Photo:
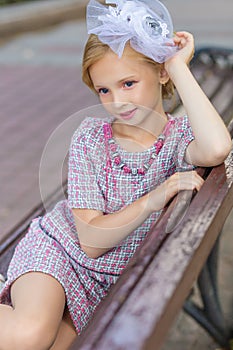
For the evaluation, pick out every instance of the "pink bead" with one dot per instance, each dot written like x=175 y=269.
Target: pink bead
x=113 y=148
x=141 y=172
x=159 y=145
x=126 y=170
x=117 y=160
x=107 y=131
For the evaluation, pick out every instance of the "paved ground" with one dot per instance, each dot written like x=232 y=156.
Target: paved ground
x=40 y=88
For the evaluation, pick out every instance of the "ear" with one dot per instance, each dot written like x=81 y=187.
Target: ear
x=163 y=76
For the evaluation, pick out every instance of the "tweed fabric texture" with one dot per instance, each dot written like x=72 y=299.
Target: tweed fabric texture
x=52 y=246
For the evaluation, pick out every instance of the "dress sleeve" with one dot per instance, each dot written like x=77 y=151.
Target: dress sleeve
x=186 y=136
x=83 y=189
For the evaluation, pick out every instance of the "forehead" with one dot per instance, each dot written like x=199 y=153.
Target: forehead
x=113 y=68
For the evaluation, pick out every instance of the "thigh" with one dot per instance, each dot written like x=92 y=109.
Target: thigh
x=66 y=334
x=38 y=299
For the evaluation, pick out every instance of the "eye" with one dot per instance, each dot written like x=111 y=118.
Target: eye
x=103 y=91
x=129 y=84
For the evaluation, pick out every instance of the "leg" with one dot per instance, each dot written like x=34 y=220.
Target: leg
x=33 y=322
x=66 y=334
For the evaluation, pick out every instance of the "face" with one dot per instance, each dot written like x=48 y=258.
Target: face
x=128 y=88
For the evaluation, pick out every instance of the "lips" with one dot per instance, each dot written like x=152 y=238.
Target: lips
x=129 y=114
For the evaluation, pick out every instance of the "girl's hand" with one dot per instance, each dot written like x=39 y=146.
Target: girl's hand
x=185 y=43
x=188 y=180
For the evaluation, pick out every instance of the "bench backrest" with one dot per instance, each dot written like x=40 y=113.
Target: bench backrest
x=140 y=308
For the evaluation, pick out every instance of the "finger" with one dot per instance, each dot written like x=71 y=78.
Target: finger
x=199 y=183
x=197 y=180
x=187 y=35
x=188 y=180
x=184 y=35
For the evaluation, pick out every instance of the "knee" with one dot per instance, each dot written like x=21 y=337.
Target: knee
x=35 y=336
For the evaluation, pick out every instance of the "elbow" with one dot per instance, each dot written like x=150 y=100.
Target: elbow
x=91 y=242
x=92 y=252
x=219 y=154
x=228 y=148
x=224 y=151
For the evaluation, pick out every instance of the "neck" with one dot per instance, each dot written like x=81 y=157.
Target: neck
x=144 y=134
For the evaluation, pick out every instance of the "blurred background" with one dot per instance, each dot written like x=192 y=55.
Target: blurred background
x=41 y=93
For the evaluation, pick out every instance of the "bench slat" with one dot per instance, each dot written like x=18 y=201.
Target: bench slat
x=135 y=317
x=7 y=246
x=138 y=321
x=221 y=101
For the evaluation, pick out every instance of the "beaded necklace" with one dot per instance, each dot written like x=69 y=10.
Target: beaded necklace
x=116 y=156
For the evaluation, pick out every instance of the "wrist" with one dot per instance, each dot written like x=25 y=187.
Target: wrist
x=147 y=204
x=174 y=64
x=156 y=199
x=178 y=71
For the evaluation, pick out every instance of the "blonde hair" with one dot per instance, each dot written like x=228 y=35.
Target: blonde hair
x=95 y=50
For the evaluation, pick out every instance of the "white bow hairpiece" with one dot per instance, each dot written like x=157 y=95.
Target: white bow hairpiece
x=146 y=24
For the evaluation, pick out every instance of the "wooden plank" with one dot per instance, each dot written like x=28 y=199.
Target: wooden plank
x=224 y=98
x=199 y=71
x=126 y=320
x=212 y=83
x=137 y=314
x=7 y=245
x=185 y=249
x=202 y=246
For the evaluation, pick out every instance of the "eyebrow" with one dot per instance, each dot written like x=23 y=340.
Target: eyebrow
x=120 y=81
x=126 y=78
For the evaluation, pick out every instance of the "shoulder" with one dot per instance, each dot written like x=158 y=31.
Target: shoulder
x=181 y=126
x=90 y=131
x=181 y=123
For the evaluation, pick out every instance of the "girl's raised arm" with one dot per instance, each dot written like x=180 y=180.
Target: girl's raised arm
x=212 y=141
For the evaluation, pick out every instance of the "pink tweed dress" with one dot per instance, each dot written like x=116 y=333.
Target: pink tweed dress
x=52 y=246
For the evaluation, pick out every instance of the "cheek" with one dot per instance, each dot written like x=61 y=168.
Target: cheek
x=104 y=99
x=107 y=105
x=153 y=91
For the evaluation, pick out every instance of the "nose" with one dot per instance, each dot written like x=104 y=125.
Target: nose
x=118 y=99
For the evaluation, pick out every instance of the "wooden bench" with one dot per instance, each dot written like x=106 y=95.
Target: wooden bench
x=180 y=249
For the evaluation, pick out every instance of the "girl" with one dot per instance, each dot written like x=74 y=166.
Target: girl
x=123 y=170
